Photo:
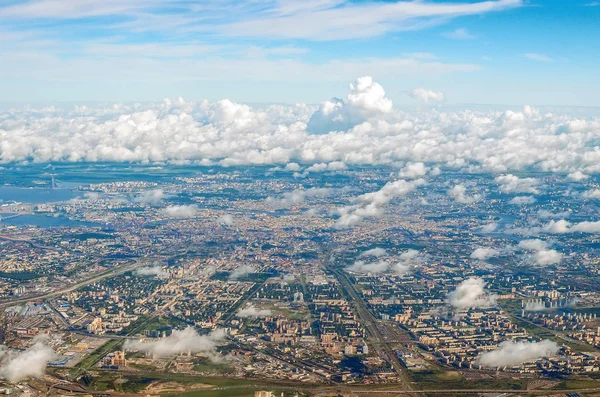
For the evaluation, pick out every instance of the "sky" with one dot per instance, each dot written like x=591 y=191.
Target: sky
x=504 y=52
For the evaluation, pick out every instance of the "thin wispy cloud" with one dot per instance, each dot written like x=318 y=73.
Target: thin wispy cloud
x=311 y=20
x=459 y=34
x=534 y=56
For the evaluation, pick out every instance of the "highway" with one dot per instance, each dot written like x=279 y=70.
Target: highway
x=73 y=287
x=378 y=342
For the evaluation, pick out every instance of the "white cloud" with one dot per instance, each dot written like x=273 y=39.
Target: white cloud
x=405 y=263
x=370 y=204
x=373 y=267
x=17 y=366
x=512 y=353
x=408 y=261
x=333 y=166
x=483 y=254
x=458 y=193
x=181 y=211
x=376 y=252
x=489 y=228
x=298 y=196
x=522 y=200
x=151 y=196
x=562 y=226
x=577 y=176
x=366 y=100
x=152 y=271
x=413 y=170
x=535 y=306
x=542 y=255
x=513 y=184
x=227 y=133
x=180 y=341
x=459 y=34
x=544 y=214
x=534 y=56
x=592 y=194
x=334 y=20
x=471 y=294
x=241 y=272
x=295 y=167
x=252 y=311
x=226 y=220
x=426 y=96
x=547 y=257
x=586 y=227
x=533 y=245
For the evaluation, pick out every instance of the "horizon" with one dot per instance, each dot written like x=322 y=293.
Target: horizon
x=521 y=52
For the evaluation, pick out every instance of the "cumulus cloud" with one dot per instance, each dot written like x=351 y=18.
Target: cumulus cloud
x=533 y=244
x=522 y=200
x=17 y=366
x=547 y=257
x=370 y=132
x=252 y=311
x=542 y=255
x=408 y=261
x=471 y=294
x=151 y=196
x=372 y=267
x=370 y=204
x=459 y=194
x=413 y=170
x=483 y=254
x=181 y=211
x=180 y=341
x=562 y=226
x=512 y=353
x=294 y=167
x=225 y=220
x=513 y=184
x=426 y=96
x=241 y=272
x=403 y=264
x=592 y=194
x=366 y=100
x=332 y=166
x=152 y=271
x=577 y=176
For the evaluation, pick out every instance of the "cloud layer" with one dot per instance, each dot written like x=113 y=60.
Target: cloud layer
x=362 y=129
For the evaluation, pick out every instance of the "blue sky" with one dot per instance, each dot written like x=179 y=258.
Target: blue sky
x=511 y=52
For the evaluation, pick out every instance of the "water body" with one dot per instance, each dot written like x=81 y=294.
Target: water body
x=10 y=194
x=44 y=221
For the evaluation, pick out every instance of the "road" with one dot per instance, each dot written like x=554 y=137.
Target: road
x=73 y=287
x=378 y=341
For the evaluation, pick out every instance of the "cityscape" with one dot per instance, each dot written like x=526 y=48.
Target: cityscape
x=299 y=198
x=145 y=279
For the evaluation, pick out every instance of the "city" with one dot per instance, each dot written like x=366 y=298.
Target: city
x=211 y=272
